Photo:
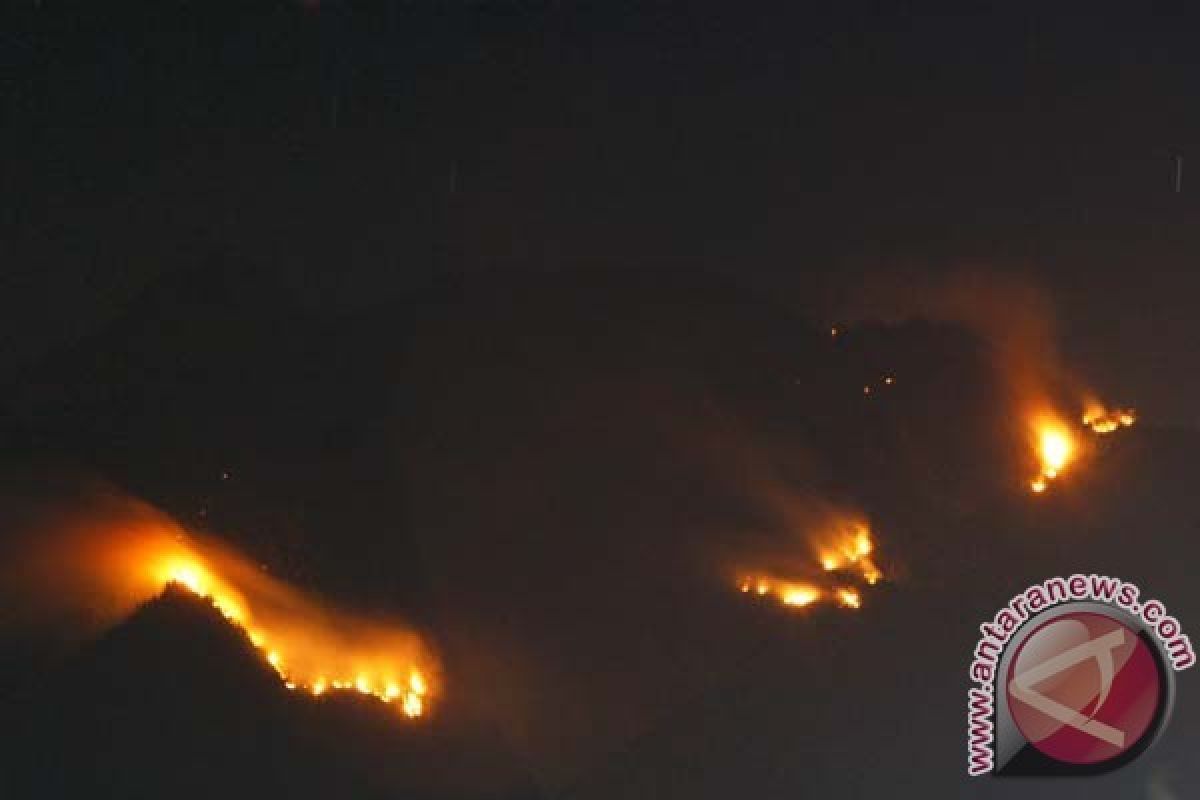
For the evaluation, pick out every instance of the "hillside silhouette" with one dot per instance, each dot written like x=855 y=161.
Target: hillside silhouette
x=175 y=702
x=549 y=472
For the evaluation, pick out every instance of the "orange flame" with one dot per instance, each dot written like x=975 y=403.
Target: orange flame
x=849 y=598
x=789 y=593
x=845 y=547
x=848 y=545
x=1104 y=420
x=1054 y=447
x=301 y=642
x=105 y=560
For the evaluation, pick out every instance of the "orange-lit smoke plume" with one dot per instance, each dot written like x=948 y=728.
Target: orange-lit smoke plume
x=1016 y=320
x=838 y=565
x=86 y=567
x=804 y=550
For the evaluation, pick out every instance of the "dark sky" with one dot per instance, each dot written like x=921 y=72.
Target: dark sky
x=804 y=145
x=483 y=285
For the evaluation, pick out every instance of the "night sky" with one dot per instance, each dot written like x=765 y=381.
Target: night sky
x=497 y=317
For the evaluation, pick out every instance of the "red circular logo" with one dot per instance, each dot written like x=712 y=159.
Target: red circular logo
x=1084 y=688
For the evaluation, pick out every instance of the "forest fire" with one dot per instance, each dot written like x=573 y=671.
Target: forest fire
x=849 y=598
x=847 y=549
x=801 y=594
x=117 y=553
x=1056 y=447
x=796 y=595
x=1103 y=420
x=304 y=652
x=1014 y=318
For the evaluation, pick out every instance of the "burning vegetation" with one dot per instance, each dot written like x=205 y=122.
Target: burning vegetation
x=1056 y=446
x=309 y=648
x=1015 y=319
x=1103 y=420
x=104 y=560
x=843 y=553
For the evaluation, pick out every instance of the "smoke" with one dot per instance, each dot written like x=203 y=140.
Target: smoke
x=592 y=585
x=1011 y=315
x=81 y=564
x=75 y=562
x=1015 y=319
x=798 y=544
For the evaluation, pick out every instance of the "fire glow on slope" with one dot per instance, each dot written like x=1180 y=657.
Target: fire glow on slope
x=1104 y=420
x=844 y=555
x=1014 y=317
x=85 y=564
x=308 y=653
x=1056 y=446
